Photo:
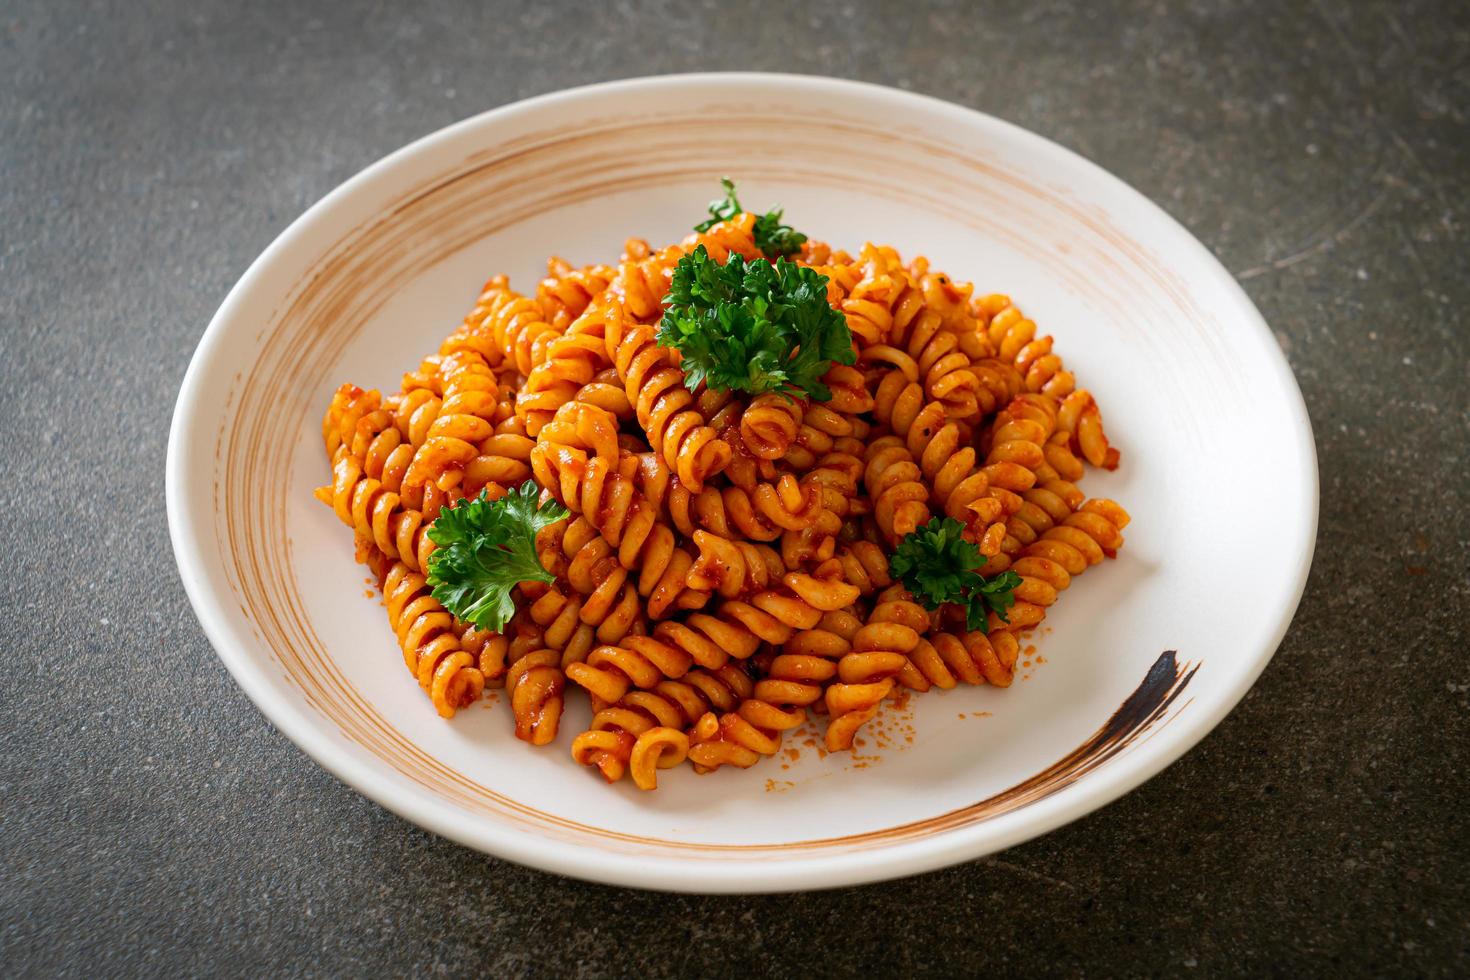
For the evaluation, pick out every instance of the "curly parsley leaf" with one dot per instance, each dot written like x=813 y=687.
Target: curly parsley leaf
x=938 y=565
x=997 y=595
x=821 y=333
x=721 y=208
x=753 y=326
x=485 y=549
x=772 y=237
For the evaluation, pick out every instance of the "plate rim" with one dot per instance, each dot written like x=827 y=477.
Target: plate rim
x=666 y=872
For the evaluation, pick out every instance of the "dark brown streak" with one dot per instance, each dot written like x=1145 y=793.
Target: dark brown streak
x=1149 y=702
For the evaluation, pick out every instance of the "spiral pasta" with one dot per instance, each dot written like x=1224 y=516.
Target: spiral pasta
x=1015 y=341
x=536 y=681
x=608 y=742
x=566 y=291
x=505 y=327
x=571 y=363
x=655 y=386
x=724 y=572
x=428 y=637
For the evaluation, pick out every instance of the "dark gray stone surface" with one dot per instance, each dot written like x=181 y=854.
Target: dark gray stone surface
x=152 y=821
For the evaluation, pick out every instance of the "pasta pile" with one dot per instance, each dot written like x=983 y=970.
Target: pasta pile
x=723 y=568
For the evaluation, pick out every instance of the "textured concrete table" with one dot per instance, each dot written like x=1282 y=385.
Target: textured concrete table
x=151 y=819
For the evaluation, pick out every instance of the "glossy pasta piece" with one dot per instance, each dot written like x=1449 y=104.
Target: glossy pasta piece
x=806 y=663
x=734 y=739
x=896 y=486
x=732 y=567
x=931 y=356
x=947 y=659
x=738 y=627
x=655 y=749
x=600 y=568
x=1047 y=565
x=566 y=292
x=849 y=707
x=759 y=510
x=572 y=361
x=735 y=235
x=609 y=502
x=664 y=405
x=592 y=592
x=638 y=661
x=348 y=406
x=762 y=513
x=506 y=328
x=584 y=427
x=814 y=433
x=382 y=484
x=837 y=477
x=556 y=611
x=535 y=682
x=428 y=636
x=961 y=484
x=952 y=301
x=642 y=280
x=964 y=487
x=1084 y=538
x=922 y=329
x=463 y=452
x=376 y=513
x=867 y=672
x=865 y=565
x=607 y=744
x=1013 y=335
x=774 y=615
x=1080 y=417
x=489 y=649
x=1015 y=340
x=770 y=424
x=850 y=395
x=841 y=272
x=1022 y=448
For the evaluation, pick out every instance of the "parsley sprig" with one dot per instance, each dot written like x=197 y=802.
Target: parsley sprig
x=486 y=548
x=772 y=237
x=754 y=326
x=938 y=565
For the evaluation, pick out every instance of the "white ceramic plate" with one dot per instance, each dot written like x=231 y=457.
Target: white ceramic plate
x=1139 y=660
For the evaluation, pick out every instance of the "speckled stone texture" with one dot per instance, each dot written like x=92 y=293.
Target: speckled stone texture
x=152 y=821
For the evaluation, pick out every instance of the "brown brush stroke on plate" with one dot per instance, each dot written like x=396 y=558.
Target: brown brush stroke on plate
x=1148 y=703
x=512 y=183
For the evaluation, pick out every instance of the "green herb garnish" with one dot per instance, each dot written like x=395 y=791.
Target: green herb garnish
x=773 y=238
x=938 y=565
x=754 y=326
x=486 y=548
